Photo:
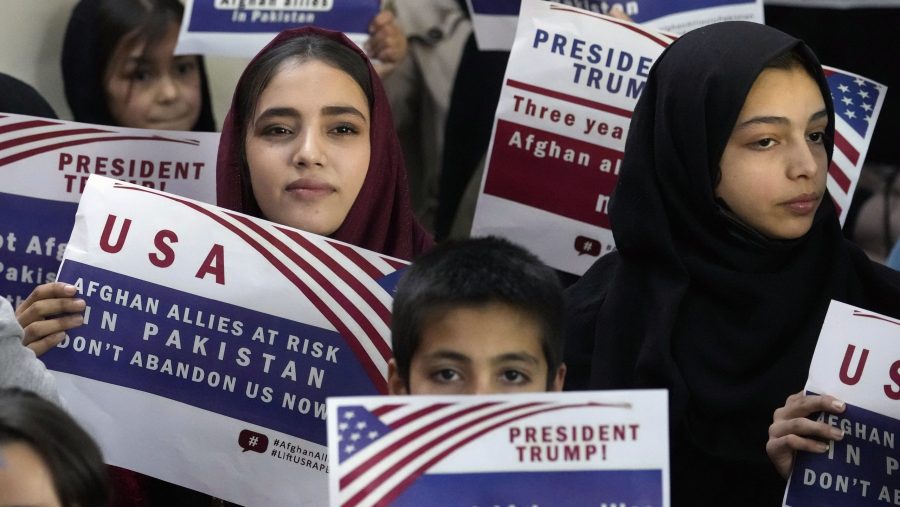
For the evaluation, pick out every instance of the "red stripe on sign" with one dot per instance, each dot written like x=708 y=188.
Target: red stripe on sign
x=529 y=166
x=422 y=412
x=30 y=124
x=846 y=148
x=352 y=310
x=357 y=258
x=443 y=424
x=364 y=292
x=47 y=135
x=44 y=149
x=839 y=177
x=385 y=409
x=395 y=263
x=405 y=483
x=599 y=106
x=631 y=26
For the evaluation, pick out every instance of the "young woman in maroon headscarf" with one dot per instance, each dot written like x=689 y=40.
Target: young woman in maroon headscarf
x=309 y=142
x=729 y=252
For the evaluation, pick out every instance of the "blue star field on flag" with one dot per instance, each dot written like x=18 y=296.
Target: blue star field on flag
x=357 y=428
x=854 y=100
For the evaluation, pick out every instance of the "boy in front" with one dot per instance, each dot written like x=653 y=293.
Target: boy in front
x=475 y=317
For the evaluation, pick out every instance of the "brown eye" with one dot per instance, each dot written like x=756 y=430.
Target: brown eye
x=445 y=375
x=514 y=377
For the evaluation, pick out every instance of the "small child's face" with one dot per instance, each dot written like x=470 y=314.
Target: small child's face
x=152 y=88
x=492 y=348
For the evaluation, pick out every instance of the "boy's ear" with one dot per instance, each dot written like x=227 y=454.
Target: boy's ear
x=395 y=383
x=559 y=379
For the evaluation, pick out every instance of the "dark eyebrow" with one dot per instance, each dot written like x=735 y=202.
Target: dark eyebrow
x=341 y=110
x=451 y=355
x=517 y=356
x=503 y=358
x=293 y=113
x=278 y=112
x=818 y=116
x=777 y=120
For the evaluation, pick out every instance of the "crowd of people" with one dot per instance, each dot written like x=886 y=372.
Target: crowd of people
x=728 y=247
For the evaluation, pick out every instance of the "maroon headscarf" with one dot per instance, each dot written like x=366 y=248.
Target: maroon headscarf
x=381 y=218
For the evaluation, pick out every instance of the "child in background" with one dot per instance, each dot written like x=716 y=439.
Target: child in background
x=119 y=67
x=46 y=459
x=474 y=317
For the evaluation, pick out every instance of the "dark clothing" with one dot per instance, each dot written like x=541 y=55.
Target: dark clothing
x=694 y=300
x=860 y=41
x=470 y=119
x=19 y=97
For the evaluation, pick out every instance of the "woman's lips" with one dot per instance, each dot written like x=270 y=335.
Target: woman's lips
x=311 y=188
x=803 y=204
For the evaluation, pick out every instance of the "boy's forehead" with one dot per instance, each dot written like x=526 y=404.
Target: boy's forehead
x=493 y=331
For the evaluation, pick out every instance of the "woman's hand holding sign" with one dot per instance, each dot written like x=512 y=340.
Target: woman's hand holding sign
x=48 y=312
x=793 y=431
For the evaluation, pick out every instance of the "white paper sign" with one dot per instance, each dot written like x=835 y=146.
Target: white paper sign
x=494 y=21
x=573 y=449
x=44 y=166
x=857 y=360
x=212 y=340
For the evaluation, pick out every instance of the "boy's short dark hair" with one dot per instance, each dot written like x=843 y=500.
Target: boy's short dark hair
x=476 y=272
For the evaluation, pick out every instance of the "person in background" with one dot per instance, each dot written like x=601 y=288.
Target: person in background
x=18 y=97
x=419 y=90
x=119 y=67
x=729 y=253
x=46 y=458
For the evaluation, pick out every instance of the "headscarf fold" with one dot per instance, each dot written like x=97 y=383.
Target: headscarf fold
x=381 y=218
x=724 y=318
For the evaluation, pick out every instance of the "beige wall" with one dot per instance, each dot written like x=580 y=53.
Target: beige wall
x=31 y=35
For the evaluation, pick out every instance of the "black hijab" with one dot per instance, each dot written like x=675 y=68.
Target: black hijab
x=695 y=302
x=21 y=98
x=92 y=34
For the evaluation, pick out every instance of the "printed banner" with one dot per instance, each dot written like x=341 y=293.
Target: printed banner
x=494 y=21
x=570 y=88
x=243 y=27
x=857 y=359
x=212 y=339
x=574 y=449
x=44 y=166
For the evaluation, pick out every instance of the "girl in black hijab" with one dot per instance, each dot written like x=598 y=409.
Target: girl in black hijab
x=729 y=251
x=118 y=67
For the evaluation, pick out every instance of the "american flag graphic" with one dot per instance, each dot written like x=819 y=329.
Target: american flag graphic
x=382 y=451
x=340 y=282
x=22 y=137
x=857 y=103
